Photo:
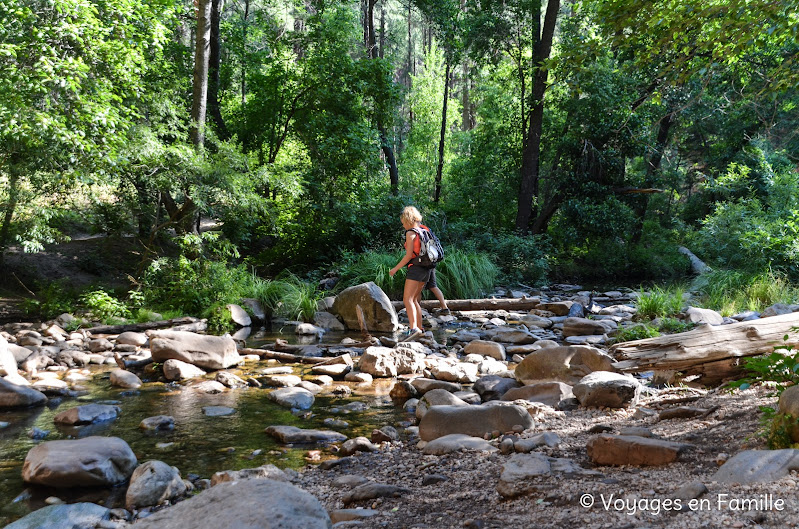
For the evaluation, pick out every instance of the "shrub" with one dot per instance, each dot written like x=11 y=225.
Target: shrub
x=730 y=292
x=466 y=274
x=636 y=332
x=103 y=306
x=372 y=266
x=659 y=302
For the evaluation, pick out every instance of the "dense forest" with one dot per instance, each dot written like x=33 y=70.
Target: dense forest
x=581 y=140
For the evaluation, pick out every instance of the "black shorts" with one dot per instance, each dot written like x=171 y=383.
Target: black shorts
x=418 y=273
x=431 y=283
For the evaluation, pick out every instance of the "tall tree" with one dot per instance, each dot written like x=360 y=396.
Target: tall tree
x=202 y=50
x=543 y=35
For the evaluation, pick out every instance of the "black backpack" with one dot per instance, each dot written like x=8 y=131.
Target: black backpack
x=430 y=250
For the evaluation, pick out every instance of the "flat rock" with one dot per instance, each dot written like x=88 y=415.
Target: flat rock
x=605 y=389
x=180 y=370
x=370 y=491
x=456 y=443
x=475 y=421
x=158 y=423
x=526 y=473
x=633 y=450
x=244 y=504
x=754 y=466
x=549 y=393
x=294 y=435
x=139 y=339
x=87 y=414
x=423 y=385
x=566 y=364
x=63 y=516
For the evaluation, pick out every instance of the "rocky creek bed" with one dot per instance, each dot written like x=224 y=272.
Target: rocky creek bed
x=498 y=419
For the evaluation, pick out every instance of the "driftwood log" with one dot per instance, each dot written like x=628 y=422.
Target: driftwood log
x=479 y=304
x=141 y=327
x=283 y=357
x=712 y=353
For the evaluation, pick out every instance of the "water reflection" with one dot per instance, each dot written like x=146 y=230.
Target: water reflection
x=199 y=444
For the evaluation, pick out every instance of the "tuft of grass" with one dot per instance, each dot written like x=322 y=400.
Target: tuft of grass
x=287 y=296
x=674 y=325
x=730 y=292
x=638 y=331
x=466 y=274
x=372 y=266
x=660 y=302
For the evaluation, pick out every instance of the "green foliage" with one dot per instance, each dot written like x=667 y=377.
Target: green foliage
x=780 y=370
x=674 y=325
x=52 y=300
x=103 y=306
x=731 y=292
x=659 y=302
x=638 y=331
x=288 y=296
x=466 y=274
x=220 y=320
x=355 y=269
x=519 y=258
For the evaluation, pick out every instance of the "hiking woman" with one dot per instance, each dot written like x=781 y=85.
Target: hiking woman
x=417 y=275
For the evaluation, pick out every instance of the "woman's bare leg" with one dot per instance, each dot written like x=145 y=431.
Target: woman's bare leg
x=412 y=307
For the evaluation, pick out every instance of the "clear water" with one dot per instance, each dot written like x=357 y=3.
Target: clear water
x=199 y=444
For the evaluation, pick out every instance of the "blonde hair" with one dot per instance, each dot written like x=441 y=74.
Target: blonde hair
x=411 y=215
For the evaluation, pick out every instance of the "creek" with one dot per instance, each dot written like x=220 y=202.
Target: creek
x=200 y=445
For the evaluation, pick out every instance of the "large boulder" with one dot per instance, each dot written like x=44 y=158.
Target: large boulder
x=493 y=387
x=89 y=462
x=564 y=364
x=16 y=396
x=378 y=312
x=758 y=466
x=485 y=348
x=382 y=361
x=153 y=483
x=475 y=421
x=244 y=504
x=208 y=352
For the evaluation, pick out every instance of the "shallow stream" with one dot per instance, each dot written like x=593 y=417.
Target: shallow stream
x=200 y=444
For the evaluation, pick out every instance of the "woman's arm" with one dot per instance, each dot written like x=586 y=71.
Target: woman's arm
x=409 y=238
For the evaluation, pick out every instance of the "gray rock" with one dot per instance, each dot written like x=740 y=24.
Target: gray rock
x=437 y=397
x=585 y=327
x=179 y=370
x=8 y=362
x=124 y=379
x=472 y=420
x=16 y=396
x=350 y=515
x=754 y=466
x=358 y=444
x=370 y=491
x=64 y=516
x=778 y=309
x=218 y=411
x=282 y=381
x=423 y=385
x=526 y=445
x=328 y=321
x=87 y=414
x=205 y=351
x=605 y=389
x=294 y=435
x=256 y=309
x=98 y=345
x=511 y=335
x=789 y=405
x=245 y=504
x=456 y=443
x=704 y=316
x=263 y=472
x=139 y=339
x=525 y=473
x=238 y=315
x=230 y=380
x=378 y=312
x=493 y=387
x=485 y=348
x=161 y=423
x=295 y=397
x=549 y=393
x=212 y=387
x=89 y=462
x=153 y=483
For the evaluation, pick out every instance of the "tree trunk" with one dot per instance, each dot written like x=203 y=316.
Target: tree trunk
x=440 y=168
x=479 y=304
x=11 y=206
x=244 y=54
x=528 y=188
x=213 y=70
x=200 y=80
x=653 y=167
x=692 y=352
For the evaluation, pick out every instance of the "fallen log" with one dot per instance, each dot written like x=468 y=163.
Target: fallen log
x=283 y=357
x=129 y=365
x=479 y=304
x=141 y=327
x=712 y=353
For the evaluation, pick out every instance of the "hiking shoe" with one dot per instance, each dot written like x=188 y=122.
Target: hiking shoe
x=442 y=312
x=412 y=335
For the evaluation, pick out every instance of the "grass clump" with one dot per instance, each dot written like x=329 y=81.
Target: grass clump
x=730 y=292
x=660 y=302
x=638 y=331
x=372 y=266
